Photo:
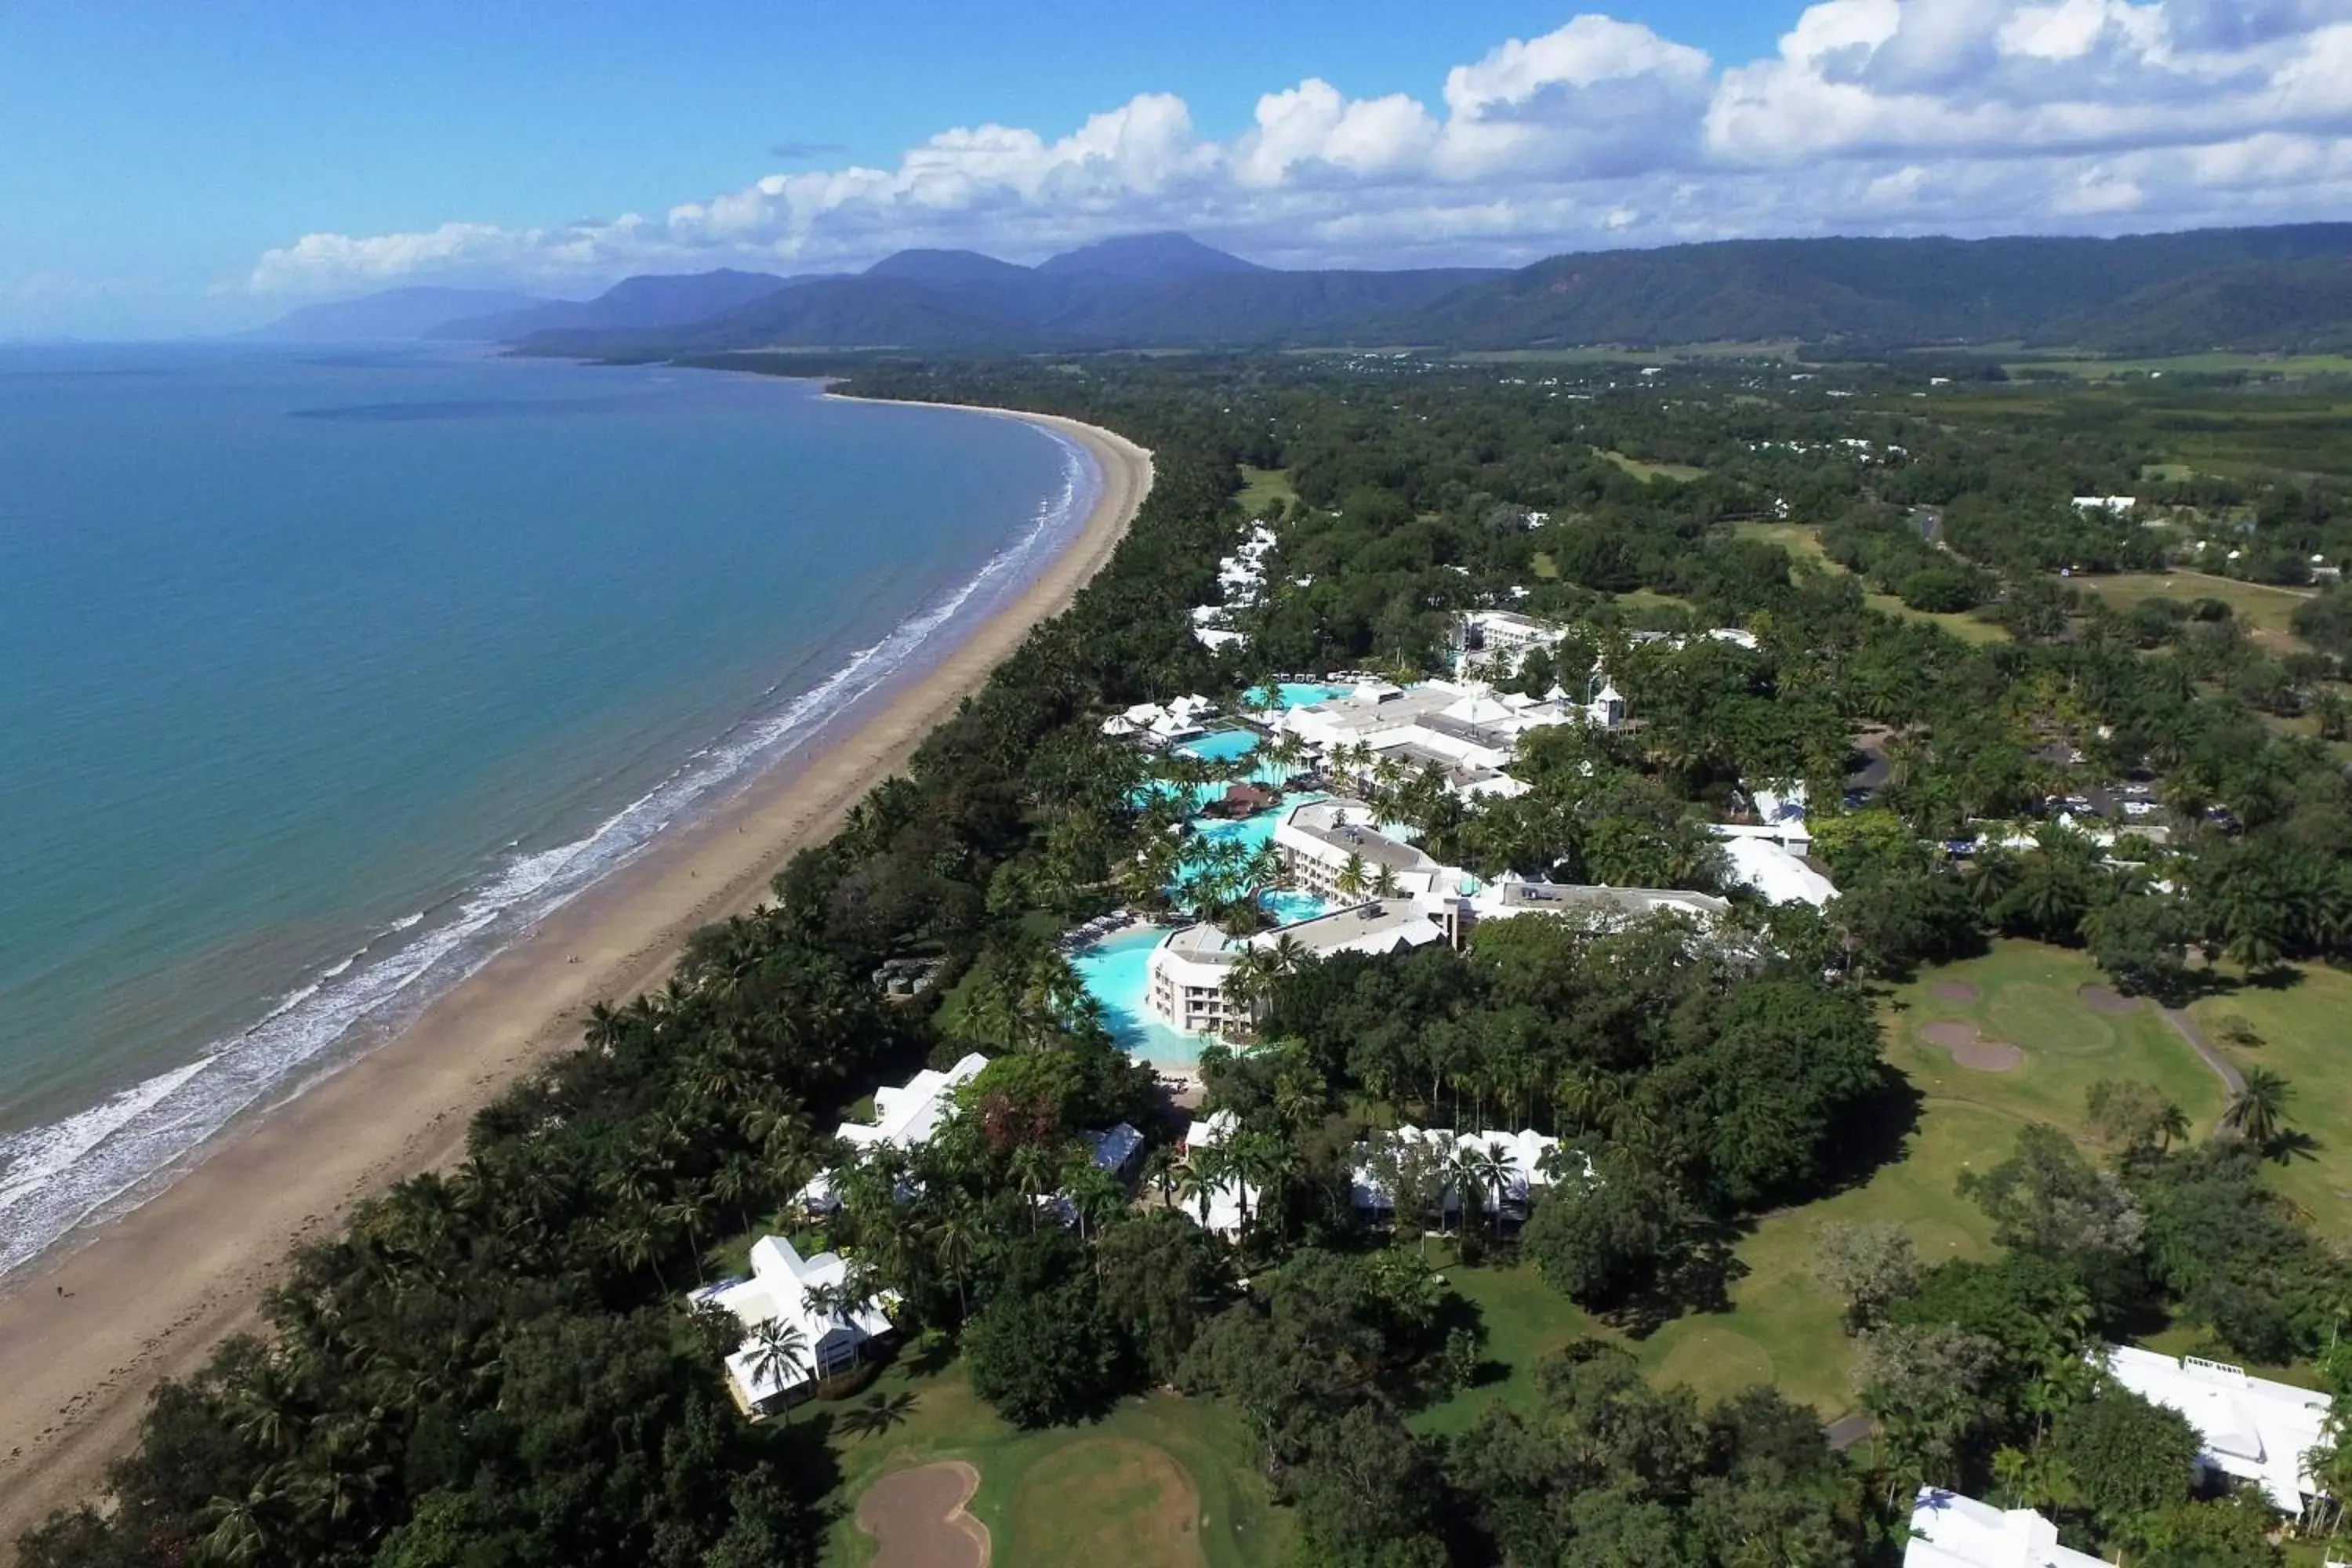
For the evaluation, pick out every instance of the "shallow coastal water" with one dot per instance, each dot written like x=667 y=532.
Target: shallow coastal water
x=321 y=674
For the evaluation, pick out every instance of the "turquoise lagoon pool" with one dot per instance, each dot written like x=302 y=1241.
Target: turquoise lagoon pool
x=1298 y=693
x=1117 y=973
x=1224 y=746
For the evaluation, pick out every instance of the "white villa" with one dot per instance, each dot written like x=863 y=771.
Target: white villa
x=1768 y=854
x=1522 y=1153
x=1163 y=724
x=2254 y=1429
x=1949 y=1530
x=1227 y=1198
x=904 y=1117
x=779 y=1292
x=1777 y=872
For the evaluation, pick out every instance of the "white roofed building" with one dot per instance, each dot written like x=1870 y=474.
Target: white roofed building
x=1774 y=870
x=905 y=1117
x=1949 y=1530
x=792 y=1292
x=1496 y=641
x=1523 y=1154
x=1228 y=1199
x=2254 y=1429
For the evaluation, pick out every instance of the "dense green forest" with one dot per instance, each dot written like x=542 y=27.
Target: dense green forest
x=491 y=1365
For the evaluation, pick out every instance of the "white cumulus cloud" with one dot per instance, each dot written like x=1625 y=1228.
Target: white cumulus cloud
x=1894 y=116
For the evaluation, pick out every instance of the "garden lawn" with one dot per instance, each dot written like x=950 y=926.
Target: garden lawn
x=1162 y=1482
x=2267 y=611
x=1265 y=491
x=2306 y=1033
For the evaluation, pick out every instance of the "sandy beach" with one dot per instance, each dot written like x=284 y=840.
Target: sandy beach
x=145 y=1297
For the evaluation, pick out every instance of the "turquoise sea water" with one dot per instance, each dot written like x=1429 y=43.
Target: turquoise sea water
x=322 y=673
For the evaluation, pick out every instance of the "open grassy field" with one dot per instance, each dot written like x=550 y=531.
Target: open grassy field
x=1265 y=491
x=2266 y=611
x=1681 y=473
x=1687 y=353
x=1784 y=1326
x=1800 y=541
x=2095 y=368
x=2305 y=1029
x=1162 y=1482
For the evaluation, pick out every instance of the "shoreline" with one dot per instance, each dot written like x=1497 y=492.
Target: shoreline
x=88 y=1331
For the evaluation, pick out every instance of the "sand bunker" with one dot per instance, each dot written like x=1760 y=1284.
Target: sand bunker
x=1971 y=1050
x=2101 y=999
x=1954 y=991
x=917 y=1518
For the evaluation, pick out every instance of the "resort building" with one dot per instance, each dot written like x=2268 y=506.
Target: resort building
x=2254 y=1429
x=1162 y=724
x=904 y=1117
x=1495 y=642
x=804 y=1296
x=1185 y=981
x=1331 y=849
x=1949 y=1530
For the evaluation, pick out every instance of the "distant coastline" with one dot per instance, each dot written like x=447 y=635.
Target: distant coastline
x=87 y=1328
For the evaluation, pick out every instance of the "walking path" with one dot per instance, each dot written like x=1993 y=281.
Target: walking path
x=2232 y=1079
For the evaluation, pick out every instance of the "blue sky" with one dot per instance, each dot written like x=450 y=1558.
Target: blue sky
x=168 y=166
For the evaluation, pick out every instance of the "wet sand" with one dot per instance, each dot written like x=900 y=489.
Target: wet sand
x=87 y=1336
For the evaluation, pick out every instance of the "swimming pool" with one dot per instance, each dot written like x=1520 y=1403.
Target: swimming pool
x=1224 y=746
x=1298 y=693
x=1117 y=973
x=1289 y=906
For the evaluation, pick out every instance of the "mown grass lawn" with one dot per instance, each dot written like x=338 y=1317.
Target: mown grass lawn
x=2305 y=1029
x=1681 y=473
x=2030 y=995
x=2267 y=611
x=1265 y=491
x=1161 y=1482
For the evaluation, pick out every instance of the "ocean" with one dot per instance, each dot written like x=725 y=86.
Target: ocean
x=324 y=673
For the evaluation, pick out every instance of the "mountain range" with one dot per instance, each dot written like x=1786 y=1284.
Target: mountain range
x=2285 y=288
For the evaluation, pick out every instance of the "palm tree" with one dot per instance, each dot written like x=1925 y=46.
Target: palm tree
x=631 y=1239
x=1205 y=1173
x=689 y=1211
x=955 y=1239
x=1351 y=880
x=777 y=1354
x=2259 y=1111
x=245 y=1528
x=1486 y=1166
x=738 y=1179
x=1160 y=1170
